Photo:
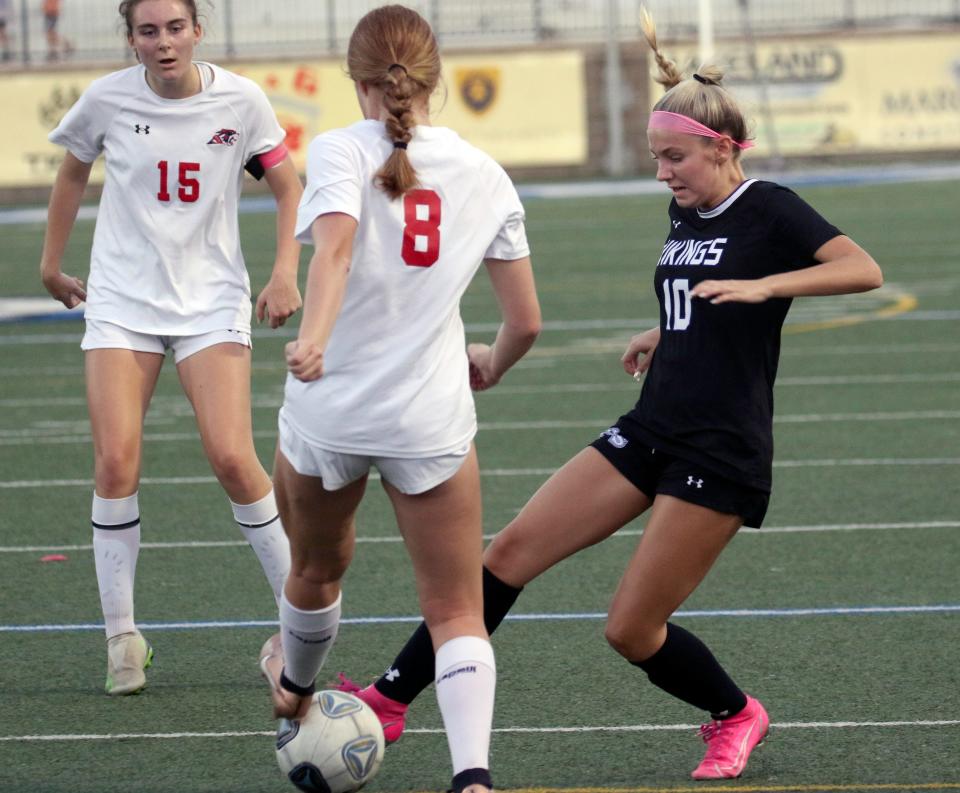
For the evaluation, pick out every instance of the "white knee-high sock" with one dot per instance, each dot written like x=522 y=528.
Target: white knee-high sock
x=116 y=544
x=466 y=676
x=307 y=637
x=260 y=524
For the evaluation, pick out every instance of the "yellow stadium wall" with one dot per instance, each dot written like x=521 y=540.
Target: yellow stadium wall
x=524 y=109
x=543 y=112
x=833 y=95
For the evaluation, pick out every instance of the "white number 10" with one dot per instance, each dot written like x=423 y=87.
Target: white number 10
x=676 y=303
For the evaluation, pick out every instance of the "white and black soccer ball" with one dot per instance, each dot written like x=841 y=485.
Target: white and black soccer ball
x=336 y=748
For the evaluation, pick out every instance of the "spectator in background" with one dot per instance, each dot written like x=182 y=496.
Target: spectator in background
x=57 y=45
x=4 y=38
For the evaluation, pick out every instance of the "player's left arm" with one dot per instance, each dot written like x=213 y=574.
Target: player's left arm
x=280 y=297
x=843 y=268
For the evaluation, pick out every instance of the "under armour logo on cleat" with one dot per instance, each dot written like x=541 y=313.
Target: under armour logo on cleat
x=697 y=482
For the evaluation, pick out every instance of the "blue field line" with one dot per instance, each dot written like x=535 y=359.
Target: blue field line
x=799 y=176
x=836 y=611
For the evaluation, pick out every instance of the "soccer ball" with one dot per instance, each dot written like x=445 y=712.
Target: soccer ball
x=336 y=748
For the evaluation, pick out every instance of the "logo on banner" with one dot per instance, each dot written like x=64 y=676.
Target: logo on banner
x=478 y=88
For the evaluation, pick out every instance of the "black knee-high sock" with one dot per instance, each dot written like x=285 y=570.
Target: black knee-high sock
x=412 y=669
x=685 y=668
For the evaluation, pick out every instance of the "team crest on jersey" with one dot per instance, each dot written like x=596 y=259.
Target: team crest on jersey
x=224 y=137
x=478 y=88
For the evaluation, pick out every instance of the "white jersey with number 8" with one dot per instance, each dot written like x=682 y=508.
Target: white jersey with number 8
x=395 y=379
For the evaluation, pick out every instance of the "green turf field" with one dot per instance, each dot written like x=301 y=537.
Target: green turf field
x=841 y=615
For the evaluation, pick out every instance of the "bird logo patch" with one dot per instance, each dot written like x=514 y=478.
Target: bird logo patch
x=224 y=137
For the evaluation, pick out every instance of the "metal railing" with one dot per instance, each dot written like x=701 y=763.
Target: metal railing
x=90 y=31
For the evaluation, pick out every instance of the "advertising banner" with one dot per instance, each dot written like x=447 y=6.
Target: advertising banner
x=835 y=95
x=524 y=109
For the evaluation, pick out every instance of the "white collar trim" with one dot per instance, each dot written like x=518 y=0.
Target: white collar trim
x=728 y=202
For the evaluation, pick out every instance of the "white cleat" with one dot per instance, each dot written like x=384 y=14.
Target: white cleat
x=128 y=655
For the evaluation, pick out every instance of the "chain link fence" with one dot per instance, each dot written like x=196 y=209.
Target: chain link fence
x=91 y=32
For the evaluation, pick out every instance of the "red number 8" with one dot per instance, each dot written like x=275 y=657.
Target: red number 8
x=416 y=204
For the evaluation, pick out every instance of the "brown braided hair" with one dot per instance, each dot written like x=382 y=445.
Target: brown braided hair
x=394 y=49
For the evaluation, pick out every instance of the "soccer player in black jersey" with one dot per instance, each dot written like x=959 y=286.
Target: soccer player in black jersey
x=696 y=450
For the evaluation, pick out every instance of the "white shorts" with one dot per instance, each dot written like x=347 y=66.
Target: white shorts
x=101 y=334
x=410 y=475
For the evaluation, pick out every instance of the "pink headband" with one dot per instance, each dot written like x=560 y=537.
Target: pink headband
x=677 y=122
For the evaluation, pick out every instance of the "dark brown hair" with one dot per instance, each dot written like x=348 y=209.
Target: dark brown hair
x=394 y=49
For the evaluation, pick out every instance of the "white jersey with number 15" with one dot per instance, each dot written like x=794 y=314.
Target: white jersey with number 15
x=166 y=253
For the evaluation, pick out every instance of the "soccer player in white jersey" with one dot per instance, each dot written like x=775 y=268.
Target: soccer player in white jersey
x=167 y=272
x=696 y=450
x=401 y=215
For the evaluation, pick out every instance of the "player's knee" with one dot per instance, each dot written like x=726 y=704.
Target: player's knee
x=314 y=574
x=505 y=549
x=232 y=467
x=116 y=471
x=635 y=642
x=452 y=606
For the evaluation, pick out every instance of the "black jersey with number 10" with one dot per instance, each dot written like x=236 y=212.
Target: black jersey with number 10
x=708 y=396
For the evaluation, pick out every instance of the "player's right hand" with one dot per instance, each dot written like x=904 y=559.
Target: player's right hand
x=481 y=367
x=304 y=360
x=65 y=288
x=642 y=344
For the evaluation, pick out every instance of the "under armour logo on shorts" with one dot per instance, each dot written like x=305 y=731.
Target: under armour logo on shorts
x=614 y=437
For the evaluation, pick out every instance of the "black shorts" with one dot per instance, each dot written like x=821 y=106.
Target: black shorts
x=653 y=471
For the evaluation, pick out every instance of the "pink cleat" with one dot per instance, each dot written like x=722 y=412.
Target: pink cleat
x=729 y=742
x=392 y=714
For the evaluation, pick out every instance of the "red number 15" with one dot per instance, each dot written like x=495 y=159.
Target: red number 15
x=421 y=229
x=189 y=190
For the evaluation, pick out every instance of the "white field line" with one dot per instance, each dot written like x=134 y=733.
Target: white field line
x=194 y=544
x=19 y=484
x=538 y=356
x=79 y=431
x=630 y=325
x=263 y=401
x=787 y=725
x=782 y=382
x=495 y=472
x=781 y=613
